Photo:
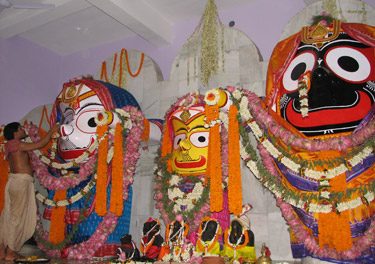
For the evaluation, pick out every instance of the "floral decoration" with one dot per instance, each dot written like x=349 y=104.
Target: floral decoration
x=132 y=121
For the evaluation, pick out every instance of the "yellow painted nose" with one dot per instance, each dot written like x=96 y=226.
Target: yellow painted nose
x=185 y=145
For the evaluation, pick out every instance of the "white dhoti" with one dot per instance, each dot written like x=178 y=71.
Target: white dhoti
x=18 y=219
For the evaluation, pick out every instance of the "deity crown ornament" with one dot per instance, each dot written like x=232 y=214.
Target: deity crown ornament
x=320 y=34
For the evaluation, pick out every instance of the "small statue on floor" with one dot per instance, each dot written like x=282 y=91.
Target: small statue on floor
x=239 y=239
x=208 y=237
x=151 y=241
x=176 y=246
x=128 y=250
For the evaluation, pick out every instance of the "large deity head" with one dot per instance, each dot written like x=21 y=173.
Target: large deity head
x=322 y=79
x=76 y=107
x=190 y=134
x=190 y=140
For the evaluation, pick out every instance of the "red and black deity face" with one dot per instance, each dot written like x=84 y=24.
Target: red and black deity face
x=341 y=89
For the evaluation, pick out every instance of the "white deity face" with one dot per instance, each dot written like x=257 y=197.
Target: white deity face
x=79 y=106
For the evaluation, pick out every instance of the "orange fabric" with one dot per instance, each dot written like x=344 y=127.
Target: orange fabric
x=57 y=227
x=281 y=56
x=334 y=229
x=101 y=181
x=116 y=202
x=234 y=164
x=214 y=170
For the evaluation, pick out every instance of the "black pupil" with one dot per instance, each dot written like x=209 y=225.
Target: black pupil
x=91 y=122
x=201 y=139
x=348 y=63
x=298 y=71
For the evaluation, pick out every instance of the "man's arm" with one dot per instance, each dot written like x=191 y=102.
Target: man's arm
x=41 y=143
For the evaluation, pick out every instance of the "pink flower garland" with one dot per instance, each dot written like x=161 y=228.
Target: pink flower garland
x=54 y=183
x=339 y=143
x=88 y=248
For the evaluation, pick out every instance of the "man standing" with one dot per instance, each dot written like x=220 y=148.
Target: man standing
x=18 y=219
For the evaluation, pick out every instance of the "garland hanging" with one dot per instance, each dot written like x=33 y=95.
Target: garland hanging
x=132 y=122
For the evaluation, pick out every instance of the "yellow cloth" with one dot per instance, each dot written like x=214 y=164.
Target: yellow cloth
x=246 y=253
x=18 y=219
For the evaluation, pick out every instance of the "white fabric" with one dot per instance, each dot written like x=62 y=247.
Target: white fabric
x=18 y=218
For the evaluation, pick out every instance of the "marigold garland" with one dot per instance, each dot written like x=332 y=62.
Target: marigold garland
x=146 y=131
x=57 y=227
x=102 y=169
x=103 y=72
x=116 y=202
x=120 y=71
x=114 y=65
x=214 y=172
x=234 y=173
x=334 y=229
x=139 y=67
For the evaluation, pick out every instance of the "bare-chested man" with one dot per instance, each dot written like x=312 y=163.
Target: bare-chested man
x=18 y=218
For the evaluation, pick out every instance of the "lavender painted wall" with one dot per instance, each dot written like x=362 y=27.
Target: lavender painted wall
x=31 y=75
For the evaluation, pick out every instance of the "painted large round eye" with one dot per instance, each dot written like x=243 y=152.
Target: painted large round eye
x=302 y=63
x=199 y=139
x=348 y=63
x=85 y=122
x=177 y=140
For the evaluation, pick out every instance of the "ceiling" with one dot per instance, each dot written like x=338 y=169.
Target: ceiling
x=67 y=26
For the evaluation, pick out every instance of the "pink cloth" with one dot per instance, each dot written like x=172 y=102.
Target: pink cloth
x=12 y=146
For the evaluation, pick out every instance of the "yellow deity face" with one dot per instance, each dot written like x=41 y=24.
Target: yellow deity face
x=190 y=142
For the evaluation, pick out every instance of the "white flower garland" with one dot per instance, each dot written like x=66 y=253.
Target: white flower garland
x=214 y=93
x=180 y=198
x=79 y=195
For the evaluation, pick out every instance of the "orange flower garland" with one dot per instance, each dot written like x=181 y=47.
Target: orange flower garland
x=57 y=227
x=140 y=64
x=146 y=130
x=214 y=170
x=334 y=229
x=120 y=71
x=116 y=203
x=114 y=65
x=234 y=170
x=103 y=73
x=101 y=182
